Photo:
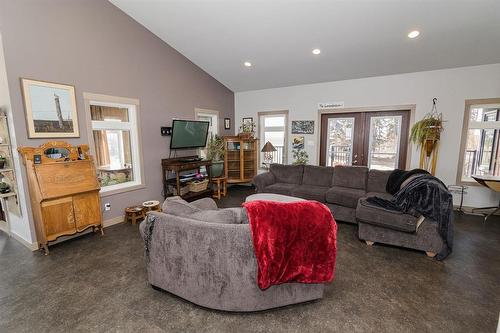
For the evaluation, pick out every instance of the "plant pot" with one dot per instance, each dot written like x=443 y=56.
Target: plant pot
x=245 y=135
x=217 y=169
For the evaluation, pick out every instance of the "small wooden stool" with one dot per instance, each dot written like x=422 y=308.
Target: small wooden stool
x=221 y=189
x=134 y=213
x=152 y=205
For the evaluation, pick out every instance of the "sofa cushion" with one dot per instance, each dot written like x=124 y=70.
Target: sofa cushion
x=280 y=188
x=289 y=174
x=377 y=180
x=344 y=196
x=350 y=176
x=342 y=213
x=383 y=195
x=317 y=175
x=310 y=192
x=367 y=213
x=204 y=204
x=225 y=216
x=178 y=207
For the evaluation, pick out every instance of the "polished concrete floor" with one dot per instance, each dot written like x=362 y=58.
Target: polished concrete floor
x=98 y=284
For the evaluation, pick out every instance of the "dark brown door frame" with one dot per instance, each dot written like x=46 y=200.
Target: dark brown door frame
x=361 y=141
x=357 y=145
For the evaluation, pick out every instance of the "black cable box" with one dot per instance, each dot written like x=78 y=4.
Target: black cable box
x=192 y=159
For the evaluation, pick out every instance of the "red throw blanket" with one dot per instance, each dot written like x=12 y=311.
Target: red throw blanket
x=293 y=242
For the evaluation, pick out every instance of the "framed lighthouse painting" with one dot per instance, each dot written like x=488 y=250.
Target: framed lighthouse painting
x=50 y=109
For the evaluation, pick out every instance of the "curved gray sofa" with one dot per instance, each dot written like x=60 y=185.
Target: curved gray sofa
x=213 y=265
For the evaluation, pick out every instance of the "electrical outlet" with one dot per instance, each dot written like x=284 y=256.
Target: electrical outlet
x=107 y=206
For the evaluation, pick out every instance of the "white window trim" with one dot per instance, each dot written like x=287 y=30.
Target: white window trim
x=135 y=137
x=212 y=113
x=470 y=104
x=260 y=129
x=215 y=126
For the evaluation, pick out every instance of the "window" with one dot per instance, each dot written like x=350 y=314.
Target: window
x=480 y=140
x=114 y=129
x=213 y=128
x=273 y=128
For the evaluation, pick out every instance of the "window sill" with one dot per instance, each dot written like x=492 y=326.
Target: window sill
x=468 y=183
x=108 y=192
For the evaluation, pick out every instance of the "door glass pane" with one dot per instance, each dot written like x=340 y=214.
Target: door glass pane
x=385 y=135
x=340 y=141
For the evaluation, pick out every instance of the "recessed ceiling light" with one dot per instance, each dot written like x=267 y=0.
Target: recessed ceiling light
x=316 y=51
x=414 y=34
x=247 y=64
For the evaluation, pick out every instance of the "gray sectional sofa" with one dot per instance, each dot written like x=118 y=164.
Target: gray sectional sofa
x=344 y=190
x=205 y=255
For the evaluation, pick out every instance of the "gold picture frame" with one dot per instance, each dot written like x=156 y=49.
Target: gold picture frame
x=50 y=109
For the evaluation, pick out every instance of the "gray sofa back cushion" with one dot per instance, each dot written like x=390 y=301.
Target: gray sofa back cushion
x=317 y=175
x=377 y=180
x=225 y=216
x=350 y=176
x=289 y=174
x=178 y=207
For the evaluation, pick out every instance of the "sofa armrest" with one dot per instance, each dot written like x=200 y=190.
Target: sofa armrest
x=263 y=180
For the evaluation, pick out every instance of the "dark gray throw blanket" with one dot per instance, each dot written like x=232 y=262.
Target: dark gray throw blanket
x=148 y=234
x=398 y=176
x=428 y=196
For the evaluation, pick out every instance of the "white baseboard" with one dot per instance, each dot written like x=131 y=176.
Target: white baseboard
x=105 y=224
x=113 y=221
x=31 y=246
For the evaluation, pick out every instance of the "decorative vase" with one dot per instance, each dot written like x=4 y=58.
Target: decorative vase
x=216 y=169
x=2 y=164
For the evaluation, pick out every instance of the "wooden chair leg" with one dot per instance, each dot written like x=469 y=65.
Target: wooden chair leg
x=224 y=188
x=430 y=254
x=370 y=243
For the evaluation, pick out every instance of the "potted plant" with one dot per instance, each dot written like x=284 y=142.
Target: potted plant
x=300 y=155
x=4 y=187
x=215 y=152
x=2 y=161
x=426 y=134
x=247 y=129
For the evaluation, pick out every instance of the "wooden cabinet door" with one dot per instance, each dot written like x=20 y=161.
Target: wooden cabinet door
x=87 y=210
x=58 y=218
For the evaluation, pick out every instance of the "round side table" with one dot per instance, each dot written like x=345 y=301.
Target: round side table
x=151 y=205
x=134 y=213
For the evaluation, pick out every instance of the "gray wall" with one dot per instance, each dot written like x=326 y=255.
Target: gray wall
x=97 y=48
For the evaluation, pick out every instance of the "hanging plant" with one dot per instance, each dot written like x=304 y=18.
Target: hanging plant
x=426 y=134
x=428 y=128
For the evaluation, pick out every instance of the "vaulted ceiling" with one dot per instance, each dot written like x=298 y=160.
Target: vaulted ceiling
x=357 y=38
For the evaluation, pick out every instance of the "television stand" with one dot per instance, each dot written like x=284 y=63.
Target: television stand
x=178 y=165
x=191 y=159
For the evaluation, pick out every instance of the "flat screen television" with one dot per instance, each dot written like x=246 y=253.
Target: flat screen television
x=188 y=134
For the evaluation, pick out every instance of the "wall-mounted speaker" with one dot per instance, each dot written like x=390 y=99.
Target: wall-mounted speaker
x=166 y=131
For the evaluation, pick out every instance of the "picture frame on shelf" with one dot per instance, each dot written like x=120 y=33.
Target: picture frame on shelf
x=50 y=109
